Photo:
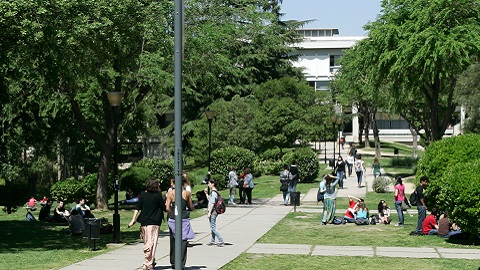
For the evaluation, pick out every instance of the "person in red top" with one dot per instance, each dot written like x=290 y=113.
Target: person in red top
x=399 y=198
x=352 y=209
x=429 y=224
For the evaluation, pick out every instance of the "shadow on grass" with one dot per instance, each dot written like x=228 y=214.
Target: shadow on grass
x=18 y=236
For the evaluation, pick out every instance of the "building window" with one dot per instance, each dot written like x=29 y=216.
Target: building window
x=321 y=86
x=334 y=63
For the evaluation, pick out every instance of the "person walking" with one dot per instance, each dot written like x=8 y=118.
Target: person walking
x=285 y=183
x=248 y=185
x=329 y=198
x=232 y=184
x=421 y=206
x=241 y=190
x=399 y=198
x=359 y=169
x=151 y=206
x=187 y=232
x=212 y=214
x=294 y=175
x=350 y=160
x=340 y=170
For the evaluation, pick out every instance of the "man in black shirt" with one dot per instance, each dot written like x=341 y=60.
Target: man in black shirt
x=421 y=206
x=151 y=205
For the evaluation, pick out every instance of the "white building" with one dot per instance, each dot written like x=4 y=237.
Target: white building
x=318 y=55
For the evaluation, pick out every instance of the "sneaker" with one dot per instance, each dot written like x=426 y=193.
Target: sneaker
x=398 y=224
x=221 y=244
x=210 y=244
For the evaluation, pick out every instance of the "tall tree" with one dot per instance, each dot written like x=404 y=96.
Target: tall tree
x=423 y=47
x=468 y=95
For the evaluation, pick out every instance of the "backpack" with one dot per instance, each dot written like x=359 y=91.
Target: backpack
x=337 y=221
x=413 y=198
x=219 y=205
x=30 y=217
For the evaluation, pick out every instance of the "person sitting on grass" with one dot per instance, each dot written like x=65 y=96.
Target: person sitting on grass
x=31 y=204
x=446 y=228
x=429 y=224
x=384 y=212
x=75 y=223
x=362 y=214
x=44 y=214
x=60 y=214
x=352 y=209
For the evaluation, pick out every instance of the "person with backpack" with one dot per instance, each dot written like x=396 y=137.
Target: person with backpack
x=359 y=169
x=399 y=198
x=212 y=214
x=340 y=170
x=329 y=198
x=294 y=176
x=285 y=183
x=421 y=206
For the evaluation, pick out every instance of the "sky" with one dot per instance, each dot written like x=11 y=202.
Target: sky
x=348 y=16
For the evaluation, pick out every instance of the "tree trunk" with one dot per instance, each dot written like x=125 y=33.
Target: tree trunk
x=376 y=135
x=102 y=181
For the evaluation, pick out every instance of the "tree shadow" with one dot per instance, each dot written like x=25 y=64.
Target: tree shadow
x=18 y=236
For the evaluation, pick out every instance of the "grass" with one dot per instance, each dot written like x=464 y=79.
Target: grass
x=306 y=262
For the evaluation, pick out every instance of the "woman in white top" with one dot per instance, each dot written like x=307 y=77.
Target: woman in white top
x=359 y=169
x=350 y=161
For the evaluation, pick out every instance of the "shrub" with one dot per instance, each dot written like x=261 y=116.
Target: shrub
x=135 y=178
x=274 y=154
x=161 y=169
x=307 y=162
x=223 y=158
x=404 y=162
x=69 y=190
x=460 y=195
x=440 y=155
x=269 y=167
x=13 y=195
x=382 y=184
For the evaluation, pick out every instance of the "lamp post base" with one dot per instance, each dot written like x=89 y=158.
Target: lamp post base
x=116 y=228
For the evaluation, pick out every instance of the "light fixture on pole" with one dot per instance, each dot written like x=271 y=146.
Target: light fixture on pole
x=339 y=124
x=334 y=121
x=325 y=140
x=115 y=100
x=210 y=115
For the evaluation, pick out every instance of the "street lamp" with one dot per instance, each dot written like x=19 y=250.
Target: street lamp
x=339 y=124
x=325 y=140
x=210 y=115
x=115 y=99
x=334 y=121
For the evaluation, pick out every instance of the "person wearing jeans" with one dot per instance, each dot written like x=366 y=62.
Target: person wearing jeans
x=421 y=206
x=212 y=214
x=399 y=198
x=340 y=169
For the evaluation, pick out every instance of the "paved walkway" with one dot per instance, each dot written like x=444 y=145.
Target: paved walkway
x=242 y=225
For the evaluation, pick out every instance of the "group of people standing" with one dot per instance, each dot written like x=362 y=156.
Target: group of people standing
x=289 y=179
x=244 y=184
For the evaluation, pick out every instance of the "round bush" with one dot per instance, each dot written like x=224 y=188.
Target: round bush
x=68 y=190
x=274 y=154
x=268 y=167
x=307 y=162
x=382 y=184
x=135 y=178
x=223 y=158
x=440 y=155
x=162 y=170
x=460 y=195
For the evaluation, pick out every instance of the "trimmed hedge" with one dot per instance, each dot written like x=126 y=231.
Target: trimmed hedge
x=460 y=195
x=135 y=178
x=69 y=190
x=440 y=156
x=162 y=169
x=223 y=158
x=268 y=167
x=307 y=162
x=404 y=162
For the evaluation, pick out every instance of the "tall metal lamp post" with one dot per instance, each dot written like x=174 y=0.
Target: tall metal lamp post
x=325 y=140
x=339 y=124
x=210 y=115
x=115 y=99
x=334 y=121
